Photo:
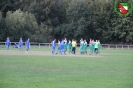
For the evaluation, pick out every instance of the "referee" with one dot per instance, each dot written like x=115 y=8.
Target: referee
x=73 y=46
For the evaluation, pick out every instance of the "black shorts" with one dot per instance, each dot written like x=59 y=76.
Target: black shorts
x=73 y=48
x=96 y=48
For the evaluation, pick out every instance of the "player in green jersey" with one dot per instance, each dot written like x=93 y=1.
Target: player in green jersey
x=96 y=47
x=81 y=46
x=91 y=47
x=65 y=45
x=85 y=47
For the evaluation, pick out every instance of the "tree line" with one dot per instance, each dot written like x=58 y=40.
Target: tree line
x=43 y=20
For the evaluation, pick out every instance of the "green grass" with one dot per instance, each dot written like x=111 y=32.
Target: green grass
x=113 y=69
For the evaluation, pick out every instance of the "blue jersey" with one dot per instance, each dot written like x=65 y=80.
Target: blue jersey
x=16 y=46
x=62 y=44
x=20 y=42
x=8 y=42
x=53 y=43
x=27 y=43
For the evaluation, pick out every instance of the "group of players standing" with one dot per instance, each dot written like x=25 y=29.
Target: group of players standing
x=70 y=46
x=19 y=45
x=64 y=46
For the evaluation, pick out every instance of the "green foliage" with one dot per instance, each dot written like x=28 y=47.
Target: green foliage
x=3 y=28
x=77 y=10
x=43 y=34
x=42 y=20
x=21 y=24
x=77 y=23
x=7 y=5
x=24 y=24
x=95 y=19
x=45 y=11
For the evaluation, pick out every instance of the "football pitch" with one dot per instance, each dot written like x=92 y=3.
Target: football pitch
x=39 y=69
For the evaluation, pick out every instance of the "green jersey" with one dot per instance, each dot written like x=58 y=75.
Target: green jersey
x=81 y=45
x=85 y=45
x=96 y=45
x=69 y=45
x=99 y=45
x=65 y=45
x=92 y=46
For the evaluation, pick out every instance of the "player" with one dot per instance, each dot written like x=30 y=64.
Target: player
x=20 y=44
x=69 y=47
x=62 y=47
x=27 y=44
x=73 y=46
x=16 y=45
x=53 y=46
x=7 y=43
x=81 y=46
x=58 y=49
x=96 y=47
x=65 y=45
x=76 y=45
x=99 y=47
x=91 y=47
x=85 y=47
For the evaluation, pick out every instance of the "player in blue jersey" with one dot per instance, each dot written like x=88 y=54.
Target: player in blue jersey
x=27 y=44
x=62 y=47
x=16 y=45
x=7 y=43
x=53 y=46
x=20 y=44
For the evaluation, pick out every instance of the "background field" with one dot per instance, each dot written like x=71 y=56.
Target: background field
x=40 y=69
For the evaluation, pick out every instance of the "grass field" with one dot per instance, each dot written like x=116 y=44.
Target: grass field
x=40 y=69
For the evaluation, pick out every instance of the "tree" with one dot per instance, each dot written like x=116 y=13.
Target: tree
x=21 y=24
x=7 y=5
x=77 y=9
x=42 y=20
x=3 y=28
x=43 y=34
x=45 y=11
x=77 y=21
